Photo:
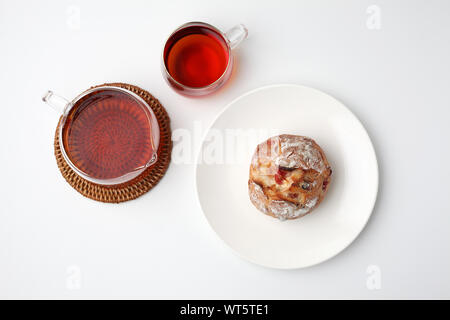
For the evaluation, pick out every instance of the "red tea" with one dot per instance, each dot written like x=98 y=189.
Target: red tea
x=107 y=134
x=196 y=56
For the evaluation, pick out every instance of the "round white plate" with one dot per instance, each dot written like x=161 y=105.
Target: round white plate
x=223 y=167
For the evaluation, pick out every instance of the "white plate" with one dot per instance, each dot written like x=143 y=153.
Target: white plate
x=222 y=180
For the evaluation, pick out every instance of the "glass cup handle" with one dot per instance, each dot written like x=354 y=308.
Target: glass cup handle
x=236 y=35
x=55 y=101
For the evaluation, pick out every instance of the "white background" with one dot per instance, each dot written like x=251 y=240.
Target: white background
x=395 y=79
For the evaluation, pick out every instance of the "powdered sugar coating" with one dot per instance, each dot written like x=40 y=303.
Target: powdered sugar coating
x=258 y=197
x=287 y=210
x=299 y=152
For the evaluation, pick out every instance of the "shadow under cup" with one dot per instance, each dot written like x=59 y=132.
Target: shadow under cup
x=109 y=136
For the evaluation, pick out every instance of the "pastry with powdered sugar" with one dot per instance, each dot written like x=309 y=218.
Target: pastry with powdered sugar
x=289 y=176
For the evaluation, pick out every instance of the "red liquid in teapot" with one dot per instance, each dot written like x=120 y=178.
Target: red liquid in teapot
x=196 y=56
x=107 y=134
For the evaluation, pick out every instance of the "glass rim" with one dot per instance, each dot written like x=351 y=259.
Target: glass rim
x=190 y=24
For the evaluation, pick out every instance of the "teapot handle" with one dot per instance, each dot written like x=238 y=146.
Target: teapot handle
x=55 y=101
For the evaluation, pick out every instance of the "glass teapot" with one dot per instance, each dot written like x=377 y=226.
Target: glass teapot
x=108 y=135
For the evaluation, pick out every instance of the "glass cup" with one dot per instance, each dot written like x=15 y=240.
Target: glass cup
x=197 y=58
x=107 y=139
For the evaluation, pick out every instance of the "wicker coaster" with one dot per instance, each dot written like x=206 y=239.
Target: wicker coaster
x=139 y=185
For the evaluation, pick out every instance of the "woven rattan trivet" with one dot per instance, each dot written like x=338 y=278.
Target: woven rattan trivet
x=139 y=185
